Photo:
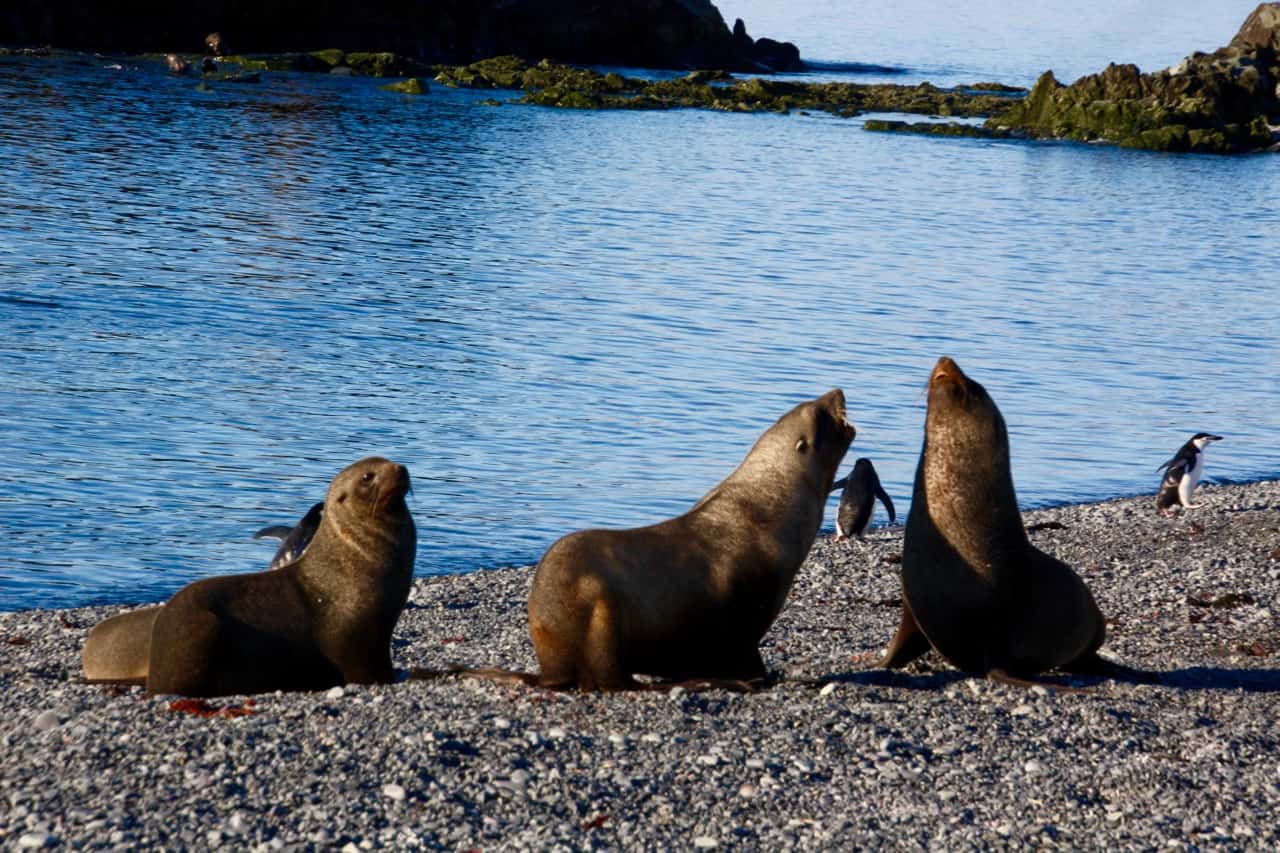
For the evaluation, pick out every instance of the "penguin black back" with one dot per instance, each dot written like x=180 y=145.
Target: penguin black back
x=857 y=500
x=294 y=539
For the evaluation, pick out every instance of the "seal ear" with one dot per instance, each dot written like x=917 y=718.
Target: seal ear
x=802 y=444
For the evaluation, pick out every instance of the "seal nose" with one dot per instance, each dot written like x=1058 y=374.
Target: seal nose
x=946 y=370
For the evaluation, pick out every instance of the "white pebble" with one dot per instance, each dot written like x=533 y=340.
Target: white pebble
x=1021 y=711
x=394 y=792
x=335 y=693
x=555 y=732
x=501 y=723
x=827 y=689
x=705 y=842
x=1033 y=767
x=748 y=790
x=33 y=841
x=46 y=721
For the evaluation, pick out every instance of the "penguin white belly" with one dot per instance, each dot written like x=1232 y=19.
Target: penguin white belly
x=1189 y=481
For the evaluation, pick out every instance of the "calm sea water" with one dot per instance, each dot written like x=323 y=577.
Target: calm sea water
x=211 y=302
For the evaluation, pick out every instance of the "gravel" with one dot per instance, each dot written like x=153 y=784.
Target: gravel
x=837 y=754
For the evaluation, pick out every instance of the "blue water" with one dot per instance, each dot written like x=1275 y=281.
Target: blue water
x=211 y=302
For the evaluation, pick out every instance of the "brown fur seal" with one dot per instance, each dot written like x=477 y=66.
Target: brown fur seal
x=690 y=598
x=118 y=648
x=973 y=585
x=322 y=620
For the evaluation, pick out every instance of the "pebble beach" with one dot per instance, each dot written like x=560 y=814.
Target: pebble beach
x=837 y=754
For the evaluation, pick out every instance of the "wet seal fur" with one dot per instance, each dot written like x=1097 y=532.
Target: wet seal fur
x=324 y=619
x=689 y=598
x=974 y=587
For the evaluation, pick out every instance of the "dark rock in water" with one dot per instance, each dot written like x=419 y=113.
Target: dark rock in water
x=938 y=128
x=412 y=86
x=553 y=85
x=645 y=33
x=1222 y=102
x=1260 y=30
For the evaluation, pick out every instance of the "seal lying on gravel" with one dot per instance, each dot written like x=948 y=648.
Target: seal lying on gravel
x=973 y=585
x=689 y=598
x=119 y=648
x=322 y=620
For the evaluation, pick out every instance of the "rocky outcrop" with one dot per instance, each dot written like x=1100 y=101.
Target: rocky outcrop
x=553 y=85
x=643 y=33
x=1223 y=102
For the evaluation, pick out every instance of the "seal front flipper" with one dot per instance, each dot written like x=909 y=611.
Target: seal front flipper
x=907 y=645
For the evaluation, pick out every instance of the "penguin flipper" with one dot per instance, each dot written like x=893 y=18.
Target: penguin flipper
x=839 y=484
x=887 y=501
x=275 y=531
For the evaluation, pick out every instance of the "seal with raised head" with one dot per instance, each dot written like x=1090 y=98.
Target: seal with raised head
x=973 y=586
x=324 y=619
x=691 y=597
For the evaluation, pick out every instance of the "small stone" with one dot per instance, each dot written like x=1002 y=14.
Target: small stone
x=1033 y=767
x=1021 y=711
x=46 y=721
x=501 y=723
x=755 y=763
x=335 y=692
x=617 y=739
x=705 y=842
x=827 y=689
x=708 y=760
x=1039 y=690
x=1114 y=817
x=650 y=737
x=676 y=692
x=34 y=840
x=555 y=733
x=748 y=790
x=350 y=847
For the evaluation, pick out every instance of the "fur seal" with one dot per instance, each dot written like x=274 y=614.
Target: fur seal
x=118 y=649
x=322 y=620
x=690 y=598
x=1182 y=474
x=293 y=540
x=858 y=501
x=973 y=586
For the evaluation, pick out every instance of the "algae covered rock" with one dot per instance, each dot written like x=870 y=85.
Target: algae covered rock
x=412 y=86
x=1221 y=102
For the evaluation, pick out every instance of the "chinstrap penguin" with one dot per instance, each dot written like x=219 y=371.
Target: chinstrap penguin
x=1182 y=473
x=858 y=500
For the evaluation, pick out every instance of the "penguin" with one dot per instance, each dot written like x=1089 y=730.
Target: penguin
x=858 y=500
x=1182 y=473
x=294 y=540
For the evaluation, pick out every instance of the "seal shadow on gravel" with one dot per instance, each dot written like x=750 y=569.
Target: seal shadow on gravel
x=1188 y=678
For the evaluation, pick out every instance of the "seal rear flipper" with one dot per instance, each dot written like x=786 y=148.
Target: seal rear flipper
x=1001 y=676
x=907 y=645
x=1093 y=663
x=509 y=676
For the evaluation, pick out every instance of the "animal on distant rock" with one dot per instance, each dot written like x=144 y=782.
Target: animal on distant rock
x=691 y=597
x=293 y=540
x=974 y=587
x=858 y=501
x=177 y=65
x=1182 y=474
x=322 y=620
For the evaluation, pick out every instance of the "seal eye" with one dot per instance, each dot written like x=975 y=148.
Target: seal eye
x=801 y=445
x=367 y=477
